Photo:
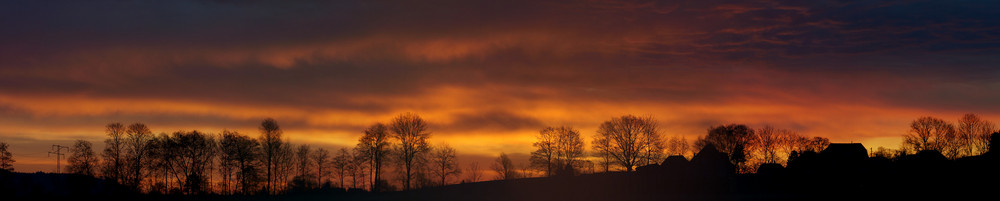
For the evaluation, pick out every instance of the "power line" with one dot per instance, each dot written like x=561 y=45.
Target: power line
x=58 y=152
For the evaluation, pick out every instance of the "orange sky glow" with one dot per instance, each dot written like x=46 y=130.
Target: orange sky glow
x=487 y=76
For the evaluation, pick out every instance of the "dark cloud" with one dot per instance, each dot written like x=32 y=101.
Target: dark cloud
x=175 y=42
x=333 y=62
x=495 y=121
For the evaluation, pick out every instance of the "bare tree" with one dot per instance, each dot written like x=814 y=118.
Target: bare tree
x=883 y=152
x=556 y=147
x=599 y=145
x=411 y=133
x=967 y=131
x=285 y=166
x=161 y=163
x=304 y=179
x=275 y=154
x=136 y=144
x=678 y=146
x=474 y=174
x=929 y=133
x=243 y=154
x=6 y=158
x=358 y=168
x=768 y=140
x=732 y=139
x=525 y=171
x=321 y=159
x=505 y=168
x=727 y=138
x=793 y=142
x=341 y=165
x=570 y=147
x=375 y=146
x=587 y=167
x=114 y=153
x=817 y=144
x=227 y=166
x=422 y=177
x=982 y=142
x=544 y=155
x=630 y=141
x=444 y=163
x=83 y=160
x=971 y=132
x=303 y=161
x=189 y=161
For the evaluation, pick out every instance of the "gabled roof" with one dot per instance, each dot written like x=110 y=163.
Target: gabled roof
x=846 y=151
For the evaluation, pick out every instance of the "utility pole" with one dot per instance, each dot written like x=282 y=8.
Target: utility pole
x=57 y=150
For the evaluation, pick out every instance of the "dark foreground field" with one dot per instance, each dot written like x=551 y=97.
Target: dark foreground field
x=847 y=174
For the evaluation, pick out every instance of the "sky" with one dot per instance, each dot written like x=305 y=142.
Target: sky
x=488 y=75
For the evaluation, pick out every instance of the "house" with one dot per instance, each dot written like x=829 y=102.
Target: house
x=844 y=152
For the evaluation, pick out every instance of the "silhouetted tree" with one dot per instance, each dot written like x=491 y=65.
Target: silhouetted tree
x=411 y=133
x=739 y=156
x=189 y=160
x=726 y=138
x=341 y=165
x=677 y=146
x=242 y=153
x=793 y=142
x=729 y=139
x=817 y=144
x=570 y=148
x=136 y=147
x=556 y=147
x=771 y=145
x=544 y=155
x=929 y=133
x=973 y=132
x=321 y=160
x=505 y=168
x=991 y=143
x=422 y=177
x=304 y=163
x=984 y=141
x=525 y=171
x=6 y=158
x=600 y=144
x=587 y=167
x=82 y=160
x=883 y=152
x=444 y=163
x=375 y=146
x=630 y=141
x=276 y=155
x=285 y=168
x=357 y=165
x=474 y=174
x=161 y=159
x=767 y=140
x=114 y=153
x=227 y=167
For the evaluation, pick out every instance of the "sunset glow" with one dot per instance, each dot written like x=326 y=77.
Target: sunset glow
x=487 y=75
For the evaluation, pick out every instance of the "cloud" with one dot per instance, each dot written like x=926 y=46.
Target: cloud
x=489 y=71
x=496 y=121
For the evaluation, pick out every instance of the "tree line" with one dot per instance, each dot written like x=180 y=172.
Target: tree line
x=969 y=137
x=627 y=142
x=193 y=162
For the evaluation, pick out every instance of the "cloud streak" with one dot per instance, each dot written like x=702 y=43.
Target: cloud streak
x=494 y=73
